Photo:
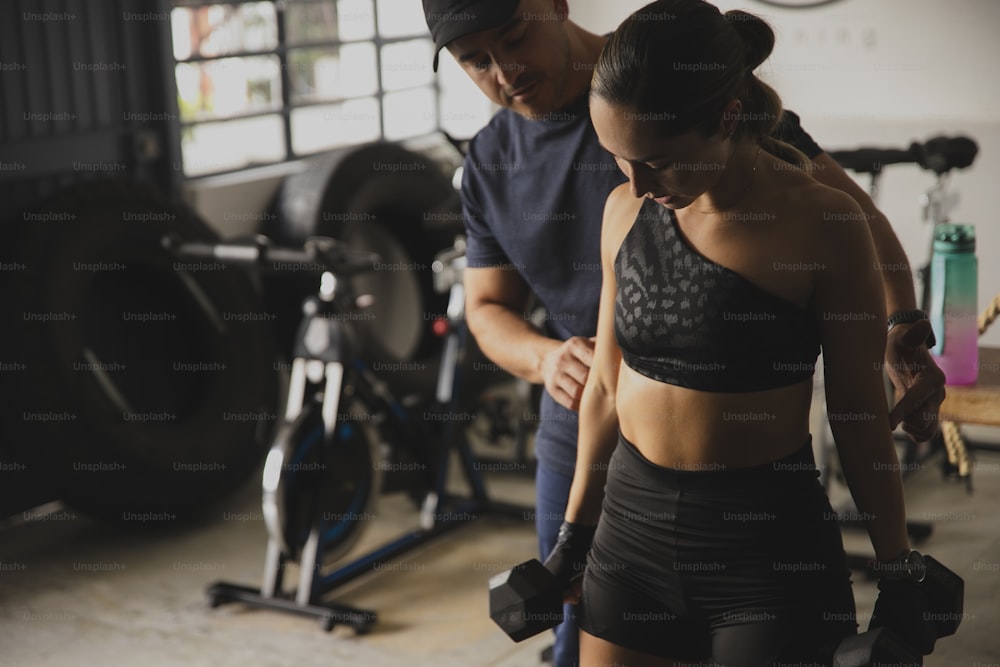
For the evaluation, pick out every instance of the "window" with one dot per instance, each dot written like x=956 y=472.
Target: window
x=265 y=81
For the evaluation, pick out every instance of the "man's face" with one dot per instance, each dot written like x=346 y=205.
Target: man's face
x=522 y=65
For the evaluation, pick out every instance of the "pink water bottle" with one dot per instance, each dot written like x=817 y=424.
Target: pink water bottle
x=953 y=307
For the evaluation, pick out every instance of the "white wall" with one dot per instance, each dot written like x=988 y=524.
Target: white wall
x=885 y=73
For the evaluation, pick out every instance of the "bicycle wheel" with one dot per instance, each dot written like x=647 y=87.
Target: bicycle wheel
x=313 y=480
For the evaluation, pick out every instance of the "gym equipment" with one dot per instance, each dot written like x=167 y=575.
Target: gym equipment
x=874 y=648
x=322 y=473
x=529 y=598
x=945 y=593
x=526 y=600
x=938 y=154
x=147 y=388
x=944 y=599
x=399 y=201
x=391 y=199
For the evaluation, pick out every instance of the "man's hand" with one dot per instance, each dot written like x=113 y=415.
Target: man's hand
x=918 y=381
x=565 y=370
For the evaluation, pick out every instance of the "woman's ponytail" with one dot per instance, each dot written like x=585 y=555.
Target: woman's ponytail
x=762 y=106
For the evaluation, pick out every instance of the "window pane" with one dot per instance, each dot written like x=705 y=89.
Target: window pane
x=311 y=21
x=330 y=74
x=321 y=127
x=400 y=18
x=356 y=19
x=409 y=113
x=329 y=20
x=407 y=64
x=464 y=108
x=227 y=87
x=218 y=30
x=462 y=115
x=231 y=145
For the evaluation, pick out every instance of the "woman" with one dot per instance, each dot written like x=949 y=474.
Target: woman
x=725 y=271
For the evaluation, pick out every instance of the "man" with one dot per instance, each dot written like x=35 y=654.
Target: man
x=533 y=192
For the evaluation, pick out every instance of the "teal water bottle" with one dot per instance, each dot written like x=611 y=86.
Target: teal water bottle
x=953 y=302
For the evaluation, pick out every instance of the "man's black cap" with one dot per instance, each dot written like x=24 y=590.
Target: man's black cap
x=450 y=19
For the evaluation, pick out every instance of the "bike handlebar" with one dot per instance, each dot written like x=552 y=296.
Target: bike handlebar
x=319 y=254
x=871 y=160
x=938 y=154
x=943 y=154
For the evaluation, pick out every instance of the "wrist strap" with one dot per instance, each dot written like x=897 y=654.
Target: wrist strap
x=909 y=317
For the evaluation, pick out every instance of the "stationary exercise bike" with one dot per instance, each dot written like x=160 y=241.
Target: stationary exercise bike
x=324 y=469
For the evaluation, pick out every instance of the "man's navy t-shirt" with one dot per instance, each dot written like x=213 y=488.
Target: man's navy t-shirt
x=533 y=194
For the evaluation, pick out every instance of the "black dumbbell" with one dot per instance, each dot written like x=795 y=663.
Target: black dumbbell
x=526 y=600
x=944 y=595
x=874 y=648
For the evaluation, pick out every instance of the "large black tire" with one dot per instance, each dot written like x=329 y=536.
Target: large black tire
x=387 y=199
x=149 y=386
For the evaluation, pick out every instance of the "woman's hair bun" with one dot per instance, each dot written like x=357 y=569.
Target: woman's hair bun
x=757 y=36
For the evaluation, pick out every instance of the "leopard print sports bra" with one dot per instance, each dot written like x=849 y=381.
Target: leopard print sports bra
x=685 y=320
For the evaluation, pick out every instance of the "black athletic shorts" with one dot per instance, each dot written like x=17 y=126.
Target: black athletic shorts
x=743 y=566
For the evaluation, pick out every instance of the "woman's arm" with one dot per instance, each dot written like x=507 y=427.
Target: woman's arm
x=598 y=433
x=849 y=302
x=918 y=380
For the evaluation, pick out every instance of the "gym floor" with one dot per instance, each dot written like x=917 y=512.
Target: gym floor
x=78 y=592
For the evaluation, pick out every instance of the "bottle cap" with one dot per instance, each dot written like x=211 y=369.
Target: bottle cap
x=949 y=237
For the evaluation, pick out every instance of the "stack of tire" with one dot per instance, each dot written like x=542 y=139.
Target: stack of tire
x=140 y=389
x=143 y=388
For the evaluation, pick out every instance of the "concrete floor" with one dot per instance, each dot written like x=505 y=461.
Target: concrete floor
x=76 y=592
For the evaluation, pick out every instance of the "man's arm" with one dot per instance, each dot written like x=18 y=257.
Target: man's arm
x=496 y=297
x=495 y=300
x=895 y=267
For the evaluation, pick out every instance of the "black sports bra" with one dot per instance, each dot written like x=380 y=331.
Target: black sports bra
x=685 y=320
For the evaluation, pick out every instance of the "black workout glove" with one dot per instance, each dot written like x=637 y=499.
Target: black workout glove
x=901 y=608
x=568 y=558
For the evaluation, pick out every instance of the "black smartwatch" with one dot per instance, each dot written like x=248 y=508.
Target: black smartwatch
x=909 y=317
x=908 y=567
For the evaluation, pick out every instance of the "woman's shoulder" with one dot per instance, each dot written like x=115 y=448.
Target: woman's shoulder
x=621 y=201
x=809 y=201
x=621 y=208
x=620 y=211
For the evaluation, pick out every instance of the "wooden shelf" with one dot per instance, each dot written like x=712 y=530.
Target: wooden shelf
x=978 y=403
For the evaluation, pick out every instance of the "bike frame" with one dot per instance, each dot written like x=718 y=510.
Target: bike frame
x=327 y=363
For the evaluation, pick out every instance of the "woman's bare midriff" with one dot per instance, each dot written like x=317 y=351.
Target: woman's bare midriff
x=686 y=429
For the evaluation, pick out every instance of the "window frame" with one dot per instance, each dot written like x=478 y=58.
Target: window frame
x=284 y=111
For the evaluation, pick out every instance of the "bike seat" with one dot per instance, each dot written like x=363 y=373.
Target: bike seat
x=942 y=154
